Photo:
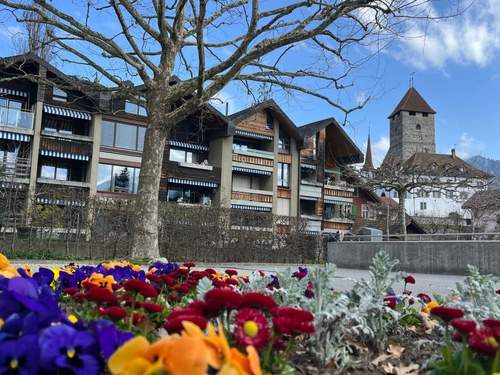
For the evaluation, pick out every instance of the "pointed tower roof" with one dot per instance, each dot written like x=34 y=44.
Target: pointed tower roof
x=412 y=102
x=368 y=166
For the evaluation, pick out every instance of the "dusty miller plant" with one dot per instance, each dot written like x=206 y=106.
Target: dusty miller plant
x=376 y=319
x=477 y=295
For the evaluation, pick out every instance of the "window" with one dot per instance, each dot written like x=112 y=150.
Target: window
x=269 y=120
x=117 y=179
x=188 y=195
x=135 y=109
x=412 y=113
x=425 y=114
x=423 y=206
x=449 y=195
x=59 y=95
x=116 y=134
x=284 y=143
x=365 y=211
x=419 y=127
x=182 y=156
x=53 y=171
x=307 y=207
x=283 y=175
x=436 y=194
x=9 y=112
x=63 y=126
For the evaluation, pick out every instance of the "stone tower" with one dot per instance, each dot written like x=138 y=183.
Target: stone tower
x=412 y=127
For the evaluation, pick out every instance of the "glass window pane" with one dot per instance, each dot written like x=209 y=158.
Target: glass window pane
x=130 y=107
x=137 y=172
x=122 y=179
x=15 y=104
x=174 y=195
x=107 y=133
x=177 y=155
x=48 y=171
x=126 y=136
x=62 y=173
x=140 y=138
x=189 y=157
x=142 y=111
x=104 y=177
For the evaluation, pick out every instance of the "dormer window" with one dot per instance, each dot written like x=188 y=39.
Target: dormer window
x=425 y=114
x=135 y=109
x=59 y=95
x=412 y=113
x=284 y=143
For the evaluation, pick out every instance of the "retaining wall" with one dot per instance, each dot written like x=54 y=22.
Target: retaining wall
x=445 y=257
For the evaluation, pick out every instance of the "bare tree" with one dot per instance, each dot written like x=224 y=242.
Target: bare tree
x=209 y=44
x=423 y=175
x=36 y=37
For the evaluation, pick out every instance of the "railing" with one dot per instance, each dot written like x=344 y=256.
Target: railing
x=253 y=152
x=489 y=236
x=253 y=197
x=16 y=118
x=19 y=168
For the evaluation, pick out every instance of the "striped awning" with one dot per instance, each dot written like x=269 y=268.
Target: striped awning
x=15 y=136
x=312 y=232
x=336 y=201
x=308 y=166
x=184 y=181
x=64 y=155
x=190 y=146
x=245 y=133
x=60 y=202
x=252 y=171
x=308 y=198
x=66 y=112
x=5 y=91
x=251 y=208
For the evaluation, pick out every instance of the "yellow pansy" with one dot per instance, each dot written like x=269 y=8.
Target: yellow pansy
x=429 y=306
x=6 y=269
x=101 y=281
x=131 y=359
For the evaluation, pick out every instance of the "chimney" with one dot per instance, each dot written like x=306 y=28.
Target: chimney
x=453 y=153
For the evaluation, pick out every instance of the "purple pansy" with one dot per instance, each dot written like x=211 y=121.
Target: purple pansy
x=63 y=348
x=20 y=357
x=109 y=337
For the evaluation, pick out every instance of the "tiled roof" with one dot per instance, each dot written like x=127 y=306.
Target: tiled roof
x=368 y=166
x=412 y=102
x=489 y=199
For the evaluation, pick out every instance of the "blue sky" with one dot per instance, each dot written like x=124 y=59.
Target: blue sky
x=456 y=69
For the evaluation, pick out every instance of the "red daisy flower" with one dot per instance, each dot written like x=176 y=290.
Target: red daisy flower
x=114 y=312
x=174 y=325
x=425 y=298
x=223 y=298
x=78 y=297
x=231 y=272
x=293 y=313
x=289 y=326
x=447 y=313
x=100 y=295
x=169 y=280
x=258 y=300
x=182 y=288
x=464 y=326
x=391 y=302
x=152 y=277
x=409 y=279
x=498 y=291
x=232 y=281
x=138 y=318
x=492 y=323
x=251 y=328
x=484 y=342
x=152 y=307
x=142 y=287
x=189 y=264
x=183 y=311
x=198 y=275
x=210 y=271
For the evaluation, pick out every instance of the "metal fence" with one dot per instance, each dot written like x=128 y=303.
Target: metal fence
x=495 y=236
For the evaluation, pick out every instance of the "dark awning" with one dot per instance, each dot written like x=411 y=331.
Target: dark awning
x=184 y=181
x=252 y=171
x=15 y=136
x=245 y=133
x=20 y=93
x=66 y=112
x=190 y=146
x=251 y=208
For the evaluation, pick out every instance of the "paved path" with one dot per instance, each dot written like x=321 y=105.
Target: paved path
x=344 y=278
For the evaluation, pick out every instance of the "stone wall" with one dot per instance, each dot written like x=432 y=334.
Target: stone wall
x=445 y=257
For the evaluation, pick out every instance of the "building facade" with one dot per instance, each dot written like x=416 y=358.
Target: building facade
x=61 y=146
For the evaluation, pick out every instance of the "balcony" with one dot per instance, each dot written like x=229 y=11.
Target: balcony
x=16 y=118
x=258 y=200
x=15 y=169
x=310 y=190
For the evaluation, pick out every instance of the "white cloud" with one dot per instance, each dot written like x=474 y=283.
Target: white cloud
x=468 y=146
x=473 y=37
x=379 y=149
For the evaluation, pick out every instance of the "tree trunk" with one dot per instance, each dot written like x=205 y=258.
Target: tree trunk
x=145 y=226
x=402 y=212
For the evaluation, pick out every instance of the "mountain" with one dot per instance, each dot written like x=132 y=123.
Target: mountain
x=488 y=165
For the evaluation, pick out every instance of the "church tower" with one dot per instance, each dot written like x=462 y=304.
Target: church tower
x=412 y=127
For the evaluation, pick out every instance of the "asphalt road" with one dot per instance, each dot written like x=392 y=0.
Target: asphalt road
x=344 y=278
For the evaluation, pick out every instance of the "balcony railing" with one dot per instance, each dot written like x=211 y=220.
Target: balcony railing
x=252 y=197
x=253 y=152
x=16 y=118
x=19 y=168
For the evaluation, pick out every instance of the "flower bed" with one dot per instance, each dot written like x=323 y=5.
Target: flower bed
x=121 y=318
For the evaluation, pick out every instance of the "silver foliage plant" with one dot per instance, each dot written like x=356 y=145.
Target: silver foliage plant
x=477 y=295
x=340 y=318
